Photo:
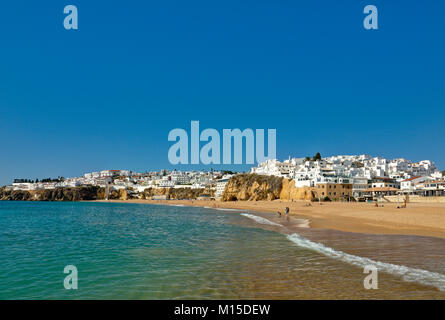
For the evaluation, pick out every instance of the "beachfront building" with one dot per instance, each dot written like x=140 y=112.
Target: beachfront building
x=432 y=188
x=221 y=186
x=384 y=182
x=409 y=186
x=333 y=191
x=359 y=185
x=378 y=193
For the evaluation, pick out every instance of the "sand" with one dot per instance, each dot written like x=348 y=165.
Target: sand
x=423 y=219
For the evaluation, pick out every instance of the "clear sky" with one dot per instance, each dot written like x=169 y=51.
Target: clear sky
x=106 y=96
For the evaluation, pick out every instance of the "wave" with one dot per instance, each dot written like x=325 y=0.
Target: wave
x=261 y=220
x=408 y=274
x=226 y=209
x=302 y=223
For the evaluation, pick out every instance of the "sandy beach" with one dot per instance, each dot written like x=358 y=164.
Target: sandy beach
x=423 y=219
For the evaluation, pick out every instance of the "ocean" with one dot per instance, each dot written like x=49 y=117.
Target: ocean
x=142 y=251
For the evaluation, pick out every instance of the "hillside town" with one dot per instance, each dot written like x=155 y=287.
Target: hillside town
x=137 y=182
x=341 y=177
x=359 y=177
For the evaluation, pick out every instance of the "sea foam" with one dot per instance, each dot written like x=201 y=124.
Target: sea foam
x=261 y=220
x=408 y=274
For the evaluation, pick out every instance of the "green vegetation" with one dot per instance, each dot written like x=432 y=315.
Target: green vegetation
x=58 y=179
x=317 y=156
x=314 y=158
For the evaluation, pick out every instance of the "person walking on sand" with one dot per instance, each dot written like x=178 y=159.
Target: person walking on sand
x=287 y=213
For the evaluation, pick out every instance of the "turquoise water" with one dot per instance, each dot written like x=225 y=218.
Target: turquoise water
x=139 y=251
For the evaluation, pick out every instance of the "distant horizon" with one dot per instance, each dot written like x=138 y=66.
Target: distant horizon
x=210 y=167
x=108 y=94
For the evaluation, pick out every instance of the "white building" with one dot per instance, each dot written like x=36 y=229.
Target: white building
x=221 y=185
x=410 y=185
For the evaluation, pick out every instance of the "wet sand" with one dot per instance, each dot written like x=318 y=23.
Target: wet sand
x=423 y=219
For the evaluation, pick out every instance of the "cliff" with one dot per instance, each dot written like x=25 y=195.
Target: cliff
x=57 y=194
x=97 y=193
x=252 y=187
x=255 y=187
x=290 y=192
x=176 y=193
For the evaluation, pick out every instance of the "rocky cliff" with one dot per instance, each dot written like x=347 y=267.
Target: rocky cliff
x=176 y=193
x=252 y=187
x=97 y=193
x=57 y=194
x=259 y=187
x=290 y=192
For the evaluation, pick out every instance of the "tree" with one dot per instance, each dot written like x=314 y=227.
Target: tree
x=317 y=156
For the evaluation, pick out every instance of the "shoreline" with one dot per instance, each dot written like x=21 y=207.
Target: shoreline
x=421 y=219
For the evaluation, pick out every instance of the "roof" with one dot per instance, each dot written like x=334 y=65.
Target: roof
x=413 y=178
x=435 y=181
x=381 y=189
x=383 y=178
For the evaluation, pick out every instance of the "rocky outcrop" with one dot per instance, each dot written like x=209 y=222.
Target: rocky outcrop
x=255 y=187
x=15 y=195
x=290 y=192
x=176 y=193
x=120 y=194
x=97 y=193
x=57 y=194
x=252 y=187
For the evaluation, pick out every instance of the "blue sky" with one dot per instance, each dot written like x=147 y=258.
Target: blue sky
x=105 y=96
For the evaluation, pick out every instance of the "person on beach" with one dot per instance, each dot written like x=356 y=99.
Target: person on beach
x=287 y=211
x=279 y=214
